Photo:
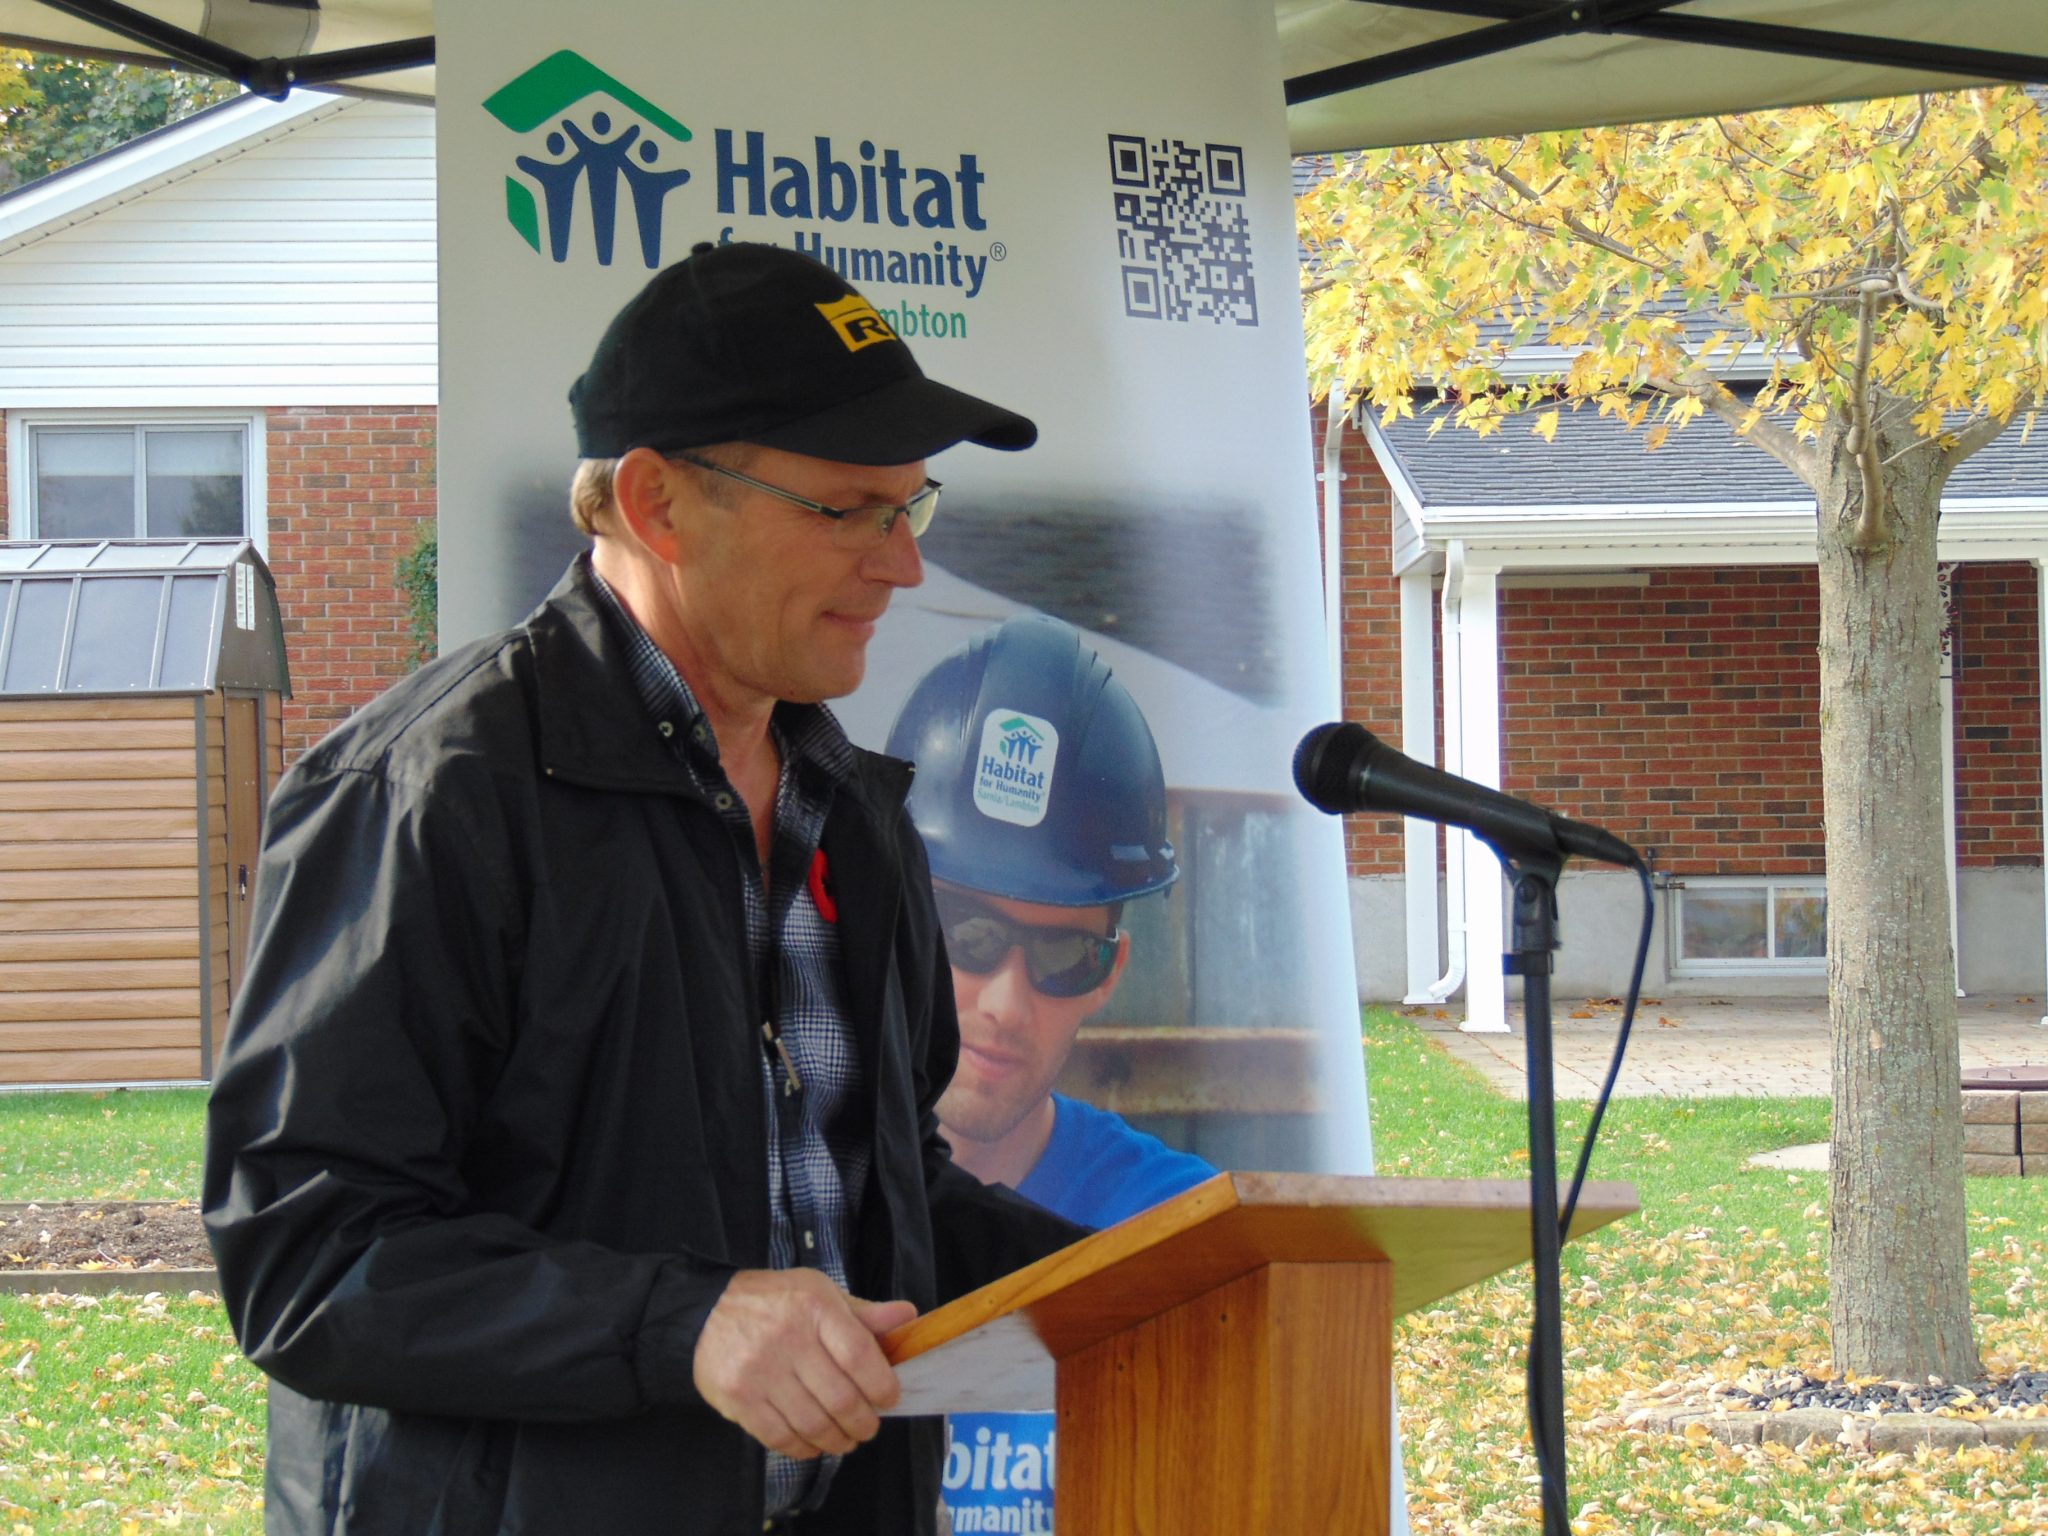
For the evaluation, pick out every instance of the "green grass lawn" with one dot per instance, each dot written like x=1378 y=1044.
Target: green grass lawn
x=126 y=1413
x=121 y=1413
x=138 y=1414
x=131 y=1144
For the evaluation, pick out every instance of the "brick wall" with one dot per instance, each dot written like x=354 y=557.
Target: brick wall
x=350 y=490
x=1372 y=630
x=1684 y=713
x=1996 y=611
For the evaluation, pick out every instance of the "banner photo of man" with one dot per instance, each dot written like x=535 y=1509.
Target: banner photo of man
x=1042 y=805
x=1112 y=640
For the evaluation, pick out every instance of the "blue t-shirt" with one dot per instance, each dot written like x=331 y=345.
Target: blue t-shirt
x=1096 y=1170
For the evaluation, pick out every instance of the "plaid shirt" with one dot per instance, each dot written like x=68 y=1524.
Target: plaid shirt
x=819 y=1147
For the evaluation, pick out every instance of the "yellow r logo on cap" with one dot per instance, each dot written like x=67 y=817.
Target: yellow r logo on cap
x=854 y=318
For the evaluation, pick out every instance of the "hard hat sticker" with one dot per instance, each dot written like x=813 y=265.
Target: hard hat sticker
x=1013 y=773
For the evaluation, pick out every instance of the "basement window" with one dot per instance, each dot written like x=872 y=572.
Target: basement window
x=1748 y=923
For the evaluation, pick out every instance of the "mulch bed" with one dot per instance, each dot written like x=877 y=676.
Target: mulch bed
x=1794 y=1409
x=95 y=1235
x=1795 y=1389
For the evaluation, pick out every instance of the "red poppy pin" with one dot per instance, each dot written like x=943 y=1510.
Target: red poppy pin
x=821 y=888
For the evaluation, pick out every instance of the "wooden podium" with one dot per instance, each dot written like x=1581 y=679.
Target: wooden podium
x=1222 y=1364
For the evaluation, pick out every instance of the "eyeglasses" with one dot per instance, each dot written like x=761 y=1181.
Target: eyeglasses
x=1061 y=962
x=852 y=527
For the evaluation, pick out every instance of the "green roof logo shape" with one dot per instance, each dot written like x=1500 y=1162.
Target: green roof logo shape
x=586 y=157
x=557 y=83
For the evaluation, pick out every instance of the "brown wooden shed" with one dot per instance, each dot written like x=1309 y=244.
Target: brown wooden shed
x=141 y=695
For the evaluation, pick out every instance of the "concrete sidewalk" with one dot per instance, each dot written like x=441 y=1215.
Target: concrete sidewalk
x=1690 y=1047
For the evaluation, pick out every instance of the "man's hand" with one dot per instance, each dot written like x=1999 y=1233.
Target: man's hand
x=792 y=1360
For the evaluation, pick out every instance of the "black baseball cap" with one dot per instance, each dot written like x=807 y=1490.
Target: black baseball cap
x=749 y=343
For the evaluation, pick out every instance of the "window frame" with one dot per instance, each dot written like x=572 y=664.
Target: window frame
x=1767 y=964
x=24 y=520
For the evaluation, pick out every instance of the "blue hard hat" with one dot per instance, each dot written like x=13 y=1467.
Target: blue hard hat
x=1037 y=776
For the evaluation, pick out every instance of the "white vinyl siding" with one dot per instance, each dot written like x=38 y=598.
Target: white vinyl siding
x=295 y=268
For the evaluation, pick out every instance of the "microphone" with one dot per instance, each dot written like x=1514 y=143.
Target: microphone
x=1341 y=768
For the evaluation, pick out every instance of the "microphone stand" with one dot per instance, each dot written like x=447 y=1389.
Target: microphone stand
x=1535 y=873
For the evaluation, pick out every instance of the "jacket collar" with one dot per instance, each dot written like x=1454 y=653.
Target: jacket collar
x=593 y=725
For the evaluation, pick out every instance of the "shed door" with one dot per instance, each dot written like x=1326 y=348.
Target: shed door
x=245 y=825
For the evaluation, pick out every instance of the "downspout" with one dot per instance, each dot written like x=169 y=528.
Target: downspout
x=1454 y=762
x=1337 y=410
x=1949 y=609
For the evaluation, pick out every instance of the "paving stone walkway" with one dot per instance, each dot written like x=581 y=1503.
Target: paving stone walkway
x=1691 y=1047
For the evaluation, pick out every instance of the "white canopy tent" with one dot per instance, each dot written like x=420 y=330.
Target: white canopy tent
x=1359 y=73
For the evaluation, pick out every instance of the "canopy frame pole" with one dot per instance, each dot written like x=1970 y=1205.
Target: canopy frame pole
x=272 y=77
x=1519 y=26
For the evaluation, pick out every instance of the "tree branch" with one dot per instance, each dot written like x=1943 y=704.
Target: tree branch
x=1572 y=221
x=1862 y=439
x=1920 y=302
x=1780 y=444
x=1912 y=133
x=1747 y=152
x=1981 y=434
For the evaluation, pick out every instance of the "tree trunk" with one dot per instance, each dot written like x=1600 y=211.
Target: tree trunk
x=1899 y=1294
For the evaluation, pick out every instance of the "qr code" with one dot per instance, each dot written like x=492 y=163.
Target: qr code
x=1181 y=230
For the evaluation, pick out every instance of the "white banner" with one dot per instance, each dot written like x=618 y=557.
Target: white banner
x=1080 y=209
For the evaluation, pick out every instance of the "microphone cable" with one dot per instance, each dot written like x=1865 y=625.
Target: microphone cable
x=1550 y=1458
x=1628 y=1019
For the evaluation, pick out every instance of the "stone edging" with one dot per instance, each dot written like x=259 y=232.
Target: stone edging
x=104 y=1282
x=1831 y=1426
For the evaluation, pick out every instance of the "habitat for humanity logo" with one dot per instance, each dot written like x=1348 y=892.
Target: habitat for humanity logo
x=1013 y=772
x=602 y=136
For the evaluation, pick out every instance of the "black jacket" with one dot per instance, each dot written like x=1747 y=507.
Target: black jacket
x=486 y=1139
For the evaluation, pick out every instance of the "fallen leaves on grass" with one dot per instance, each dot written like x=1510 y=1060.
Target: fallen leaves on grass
x=127 y=1413
x=1675 y=1315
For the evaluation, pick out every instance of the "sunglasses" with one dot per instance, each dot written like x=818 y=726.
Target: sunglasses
x=1061 y=962
x=852 y=527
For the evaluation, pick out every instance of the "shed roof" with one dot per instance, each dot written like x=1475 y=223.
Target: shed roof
x=137 y=616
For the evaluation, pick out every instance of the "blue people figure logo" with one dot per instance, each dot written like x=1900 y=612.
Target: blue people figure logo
x=589 y=144
x=1020 y=742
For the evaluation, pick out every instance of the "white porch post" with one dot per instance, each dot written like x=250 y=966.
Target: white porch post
x=1479 y=715
x=1418 y=740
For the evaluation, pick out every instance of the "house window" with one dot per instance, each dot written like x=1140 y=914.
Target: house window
x=1749 y=923
x=158 y=480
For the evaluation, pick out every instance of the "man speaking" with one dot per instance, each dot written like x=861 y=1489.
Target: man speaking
x=575 y=1137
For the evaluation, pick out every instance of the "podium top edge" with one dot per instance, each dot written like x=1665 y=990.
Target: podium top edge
x=1610 y=1198
x=1439 y=1234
